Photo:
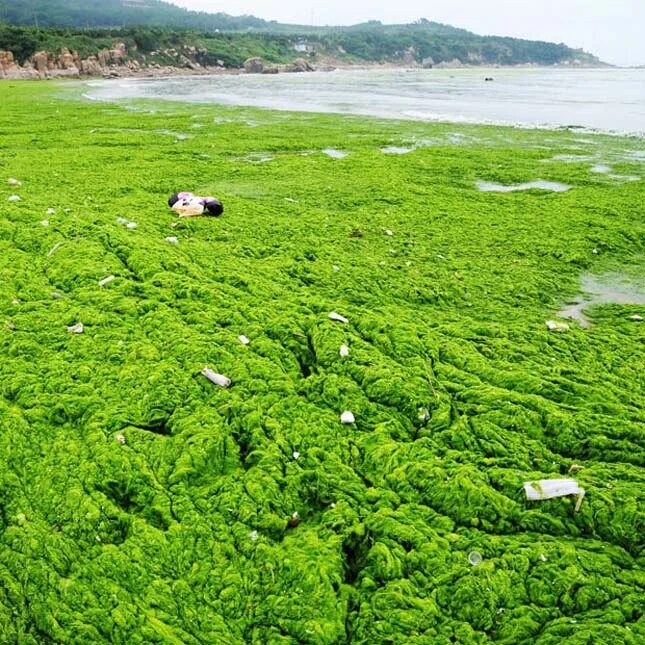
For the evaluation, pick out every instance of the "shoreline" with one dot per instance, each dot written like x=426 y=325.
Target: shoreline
x=128 y=71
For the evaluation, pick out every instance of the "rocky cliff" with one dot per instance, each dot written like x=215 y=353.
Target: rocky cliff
x=118 y=61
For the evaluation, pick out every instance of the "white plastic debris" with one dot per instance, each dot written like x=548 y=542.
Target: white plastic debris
x=542 y=557
x=296 y=455
x=594 y=251
x=54 y=249
x=388 y=232
x=50 y=211
x=253 y=535
x=408 y=263
x=76 y=329
x=243 y=339
x=14 y=182
x=424 y=414
x=57 y=296
x=121 y=439
x=550 y=488
x=14 y=198
x=344 y=350
x=107 y=280
x=334 y=316
x=126 y=222
x=171 y=239
x=335 y=267
x=347 y=417
x=44 y=222
x=475 y=558
x=218 y=379
x=554 y=325
x=636 y=318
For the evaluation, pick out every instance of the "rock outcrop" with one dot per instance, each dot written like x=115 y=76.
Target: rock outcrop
x=254 y=65
x=299 y=65
x=8 y=67
x=118 y=61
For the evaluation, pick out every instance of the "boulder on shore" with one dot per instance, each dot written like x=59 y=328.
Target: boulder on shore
x=299 y=65
x=254 y=65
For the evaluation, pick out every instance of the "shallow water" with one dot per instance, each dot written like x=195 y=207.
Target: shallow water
x=335 y=154
x=606 y=288
x=553 y=186
x=602 y=99
x=395 y=150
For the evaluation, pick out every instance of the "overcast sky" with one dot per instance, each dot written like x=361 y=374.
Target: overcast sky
x=614 y=30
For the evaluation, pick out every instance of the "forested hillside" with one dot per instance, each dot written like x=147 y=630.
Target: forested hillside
x=86 y=23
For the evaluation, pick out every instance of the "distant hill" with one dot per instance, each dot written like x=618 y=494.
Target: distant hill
x=117 y=13
x=422 y=42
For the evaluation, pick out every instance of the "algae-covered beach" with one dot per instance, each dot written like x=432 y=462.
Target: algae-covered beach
x=142 y=503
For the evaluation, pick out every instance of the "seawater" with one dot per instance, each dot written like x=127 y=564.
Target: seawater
x=609 y=100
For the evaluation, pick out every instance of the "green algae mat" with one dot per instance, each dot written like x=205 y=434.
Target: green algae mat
x=142 y=503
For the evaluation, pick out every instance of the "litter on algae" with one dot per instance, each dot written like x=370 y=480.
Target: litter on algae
x=141 y=502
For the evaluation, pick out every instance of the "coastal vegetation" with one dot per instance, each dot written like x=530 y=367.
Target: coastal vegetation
x=88 y=27
x=142 y=503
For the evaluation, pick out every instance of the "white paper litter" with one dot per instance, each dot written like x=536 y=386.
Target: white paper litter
x=344 y=350
x=334 y=316
x=76 y=329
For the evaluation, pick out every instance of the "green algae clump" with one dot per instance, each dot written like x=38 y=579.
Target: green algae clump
x=142 y=503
